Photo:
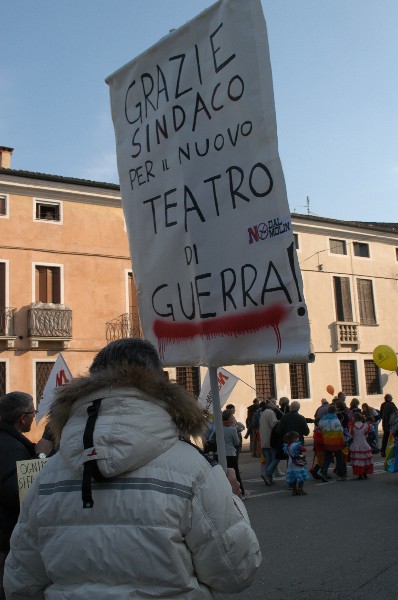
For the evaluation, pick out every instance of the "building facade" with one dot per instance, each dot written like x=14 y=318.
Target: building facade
x=66 y=286
x=65 y=274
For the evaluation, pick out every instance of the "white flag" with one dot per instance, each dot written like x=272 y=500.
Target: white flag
x=59 y=375
x=226 y=383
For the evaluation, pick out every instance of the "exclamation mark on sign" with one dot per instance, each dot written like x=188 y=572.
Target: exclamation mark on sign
x=290 y=252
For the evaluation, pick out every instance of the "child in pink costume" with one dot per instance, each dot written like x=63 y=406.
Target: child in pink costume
x=360 y=451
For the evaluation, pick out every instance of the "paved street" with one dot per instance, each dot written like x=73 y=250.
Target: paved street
x=339 y=542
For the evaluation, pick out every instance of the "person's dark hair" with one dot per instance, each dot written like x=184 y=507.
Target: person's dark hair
x=291 y=437
x=388 y=398
x=230 y=406
x=331 y=408
x=130 y=351
x=354 y=403
x=357 y=416
x=227 y=414
x=13 y=405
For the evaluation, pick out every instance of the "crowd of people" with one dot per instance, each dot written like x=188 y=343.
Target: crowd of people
x=124 y=469
x=343 y=434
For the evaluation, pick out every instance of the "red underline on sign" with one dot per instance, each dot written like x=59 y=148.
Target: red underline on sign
x=232 y=325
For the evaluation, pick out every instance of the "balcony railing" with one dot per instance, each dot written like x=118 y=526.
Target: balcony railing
x=347 y=334
x=124 y=326
x=50 y=323
x=7 y=322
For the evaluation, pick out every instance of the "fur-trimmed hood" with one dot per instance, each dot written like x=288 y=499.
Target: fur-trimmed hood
x=141 y=416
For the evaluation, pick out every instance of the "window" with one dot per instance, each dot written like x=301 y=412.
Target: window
x=2 y=285
x=296 y=240
x=47 y=284
x=189 y=378
x=299 y=387
x=338 y=246
x=47 y=211
x=3 y=373
x=372 y=378
x=367 y=315
x=342 y=297
x=43 y=370
x=361 y=249
x=265 y=381
x=3 y=205
x=348 y=374
x=396 y=253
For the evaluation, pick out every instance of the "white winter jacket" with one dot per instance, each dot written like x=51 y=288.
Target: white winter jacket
x=164 y=523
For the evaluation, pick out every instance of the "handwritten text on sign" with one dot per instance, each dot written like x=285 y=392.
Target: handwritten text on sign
x=27 y=470
x=201 y=186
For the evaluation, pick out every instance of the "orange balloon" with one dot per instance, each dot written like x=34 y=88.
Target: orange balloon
x=330 y=389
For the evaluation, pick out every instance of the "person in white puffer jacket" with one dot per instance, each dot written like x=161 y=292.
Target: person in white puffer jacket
x=126 y=509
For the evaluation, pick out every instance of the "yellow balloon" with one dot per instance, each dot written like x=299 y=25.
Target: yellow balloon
x=385 y=358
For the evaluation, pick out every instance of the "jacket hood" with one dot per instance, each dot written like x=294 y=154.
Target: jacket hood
x=140 y=417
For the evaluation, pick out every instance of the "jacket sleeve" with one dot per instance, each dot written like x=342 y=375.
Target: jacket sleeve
x=306 y=429
x=24 y=574
x=225 y=550
x=235 y=438
x=273 y=420
x=9 y=484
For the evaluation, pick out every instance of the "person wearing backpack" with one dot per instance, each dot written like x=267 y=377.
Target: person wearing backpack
x=127 y=508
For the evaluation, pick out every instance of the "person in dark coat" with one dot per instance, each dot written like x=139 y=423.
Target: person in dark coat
x=386 y=410
x=16 y=417
x=293 y=421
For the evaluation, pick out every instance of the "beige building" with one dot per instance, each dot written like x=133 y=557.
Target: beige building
x=65 y=274
x=66 y=286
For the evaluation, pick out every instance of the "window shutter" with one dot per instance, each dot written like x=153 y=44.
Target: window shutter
x=367 y=313
x=265 y=380
x=2 y=285
x=343 y=299
x=56 y=285
x=348 y=374
x=41 y=284
x=48 y=284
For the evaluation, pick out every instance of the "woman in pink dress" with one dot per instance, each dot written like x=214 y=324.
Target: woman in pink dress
x=360 y=451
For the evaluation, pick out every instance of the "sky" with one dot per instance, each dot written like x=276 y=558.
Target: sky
x=335 y=74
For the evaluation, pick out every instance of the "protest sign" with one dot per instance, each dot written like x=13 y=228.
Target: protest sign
x=226 y=383
x=59 y=375
x=204 y=195
x=26 y=473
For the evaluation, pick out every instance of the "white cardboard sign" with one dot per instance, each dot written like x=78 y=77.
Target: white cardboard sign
x=204 y=195
x=27 y=470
